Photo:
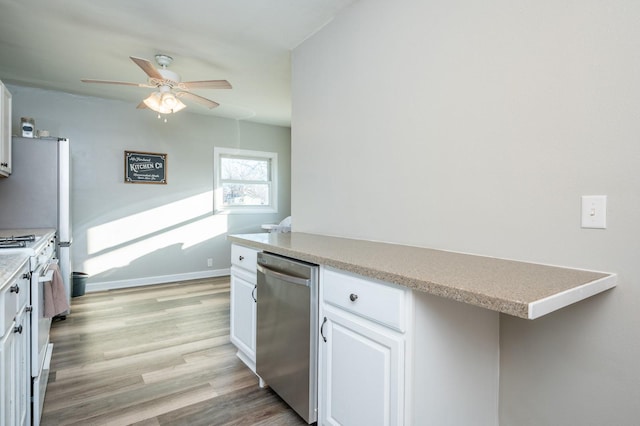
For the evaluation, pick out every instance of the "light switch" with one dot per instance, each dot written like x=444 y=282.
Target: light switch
x=594 y=211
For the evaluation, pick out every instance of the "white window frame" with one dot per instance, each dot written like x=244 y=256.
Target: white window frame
x=218 y=204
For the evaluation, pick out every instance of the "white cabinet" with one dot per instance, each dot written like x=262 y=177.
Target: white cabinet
x=5 y=131
x=392 y=356
x=15 y=377
x=243 y=316
x=362 y=351
x=7 y=380
x=22 y=364
x=362 y=372
x=243 y=303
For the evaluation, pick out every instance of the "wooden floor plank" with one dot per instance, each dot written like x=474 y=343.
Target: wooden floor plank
x=155 y=356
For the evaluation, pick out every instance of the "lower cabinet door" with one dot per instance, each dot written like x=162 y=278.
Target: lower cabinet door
x=243 y=317
x=361 y=372
x=23 y=374
x=7 y=378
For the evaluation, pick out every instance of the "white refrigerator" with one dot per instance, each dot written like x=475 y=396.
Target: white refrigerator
x=37 y=194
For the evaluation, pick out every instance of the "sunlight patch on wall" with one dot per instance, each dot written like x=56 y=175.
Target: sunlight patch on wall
x=186 y=236
x=120 y=231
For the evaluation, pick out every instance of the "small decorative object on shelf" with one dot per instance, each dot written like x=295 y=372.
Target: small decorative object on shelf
x=28 y=125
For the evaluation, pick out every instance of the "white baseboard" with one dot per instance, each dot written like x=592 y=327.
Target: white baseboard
x=162 y=279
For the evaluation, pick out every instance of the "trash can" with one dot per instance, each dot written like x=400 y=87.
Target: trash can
x=79 y=283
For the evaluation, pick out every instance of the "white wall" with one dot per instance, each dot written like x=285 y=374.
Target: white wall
x=128 y=234
x=476 y=127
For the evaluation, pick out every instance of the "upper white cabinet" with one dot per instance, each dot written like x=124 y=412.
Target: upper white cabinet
x=243 y=303
x=5 y=131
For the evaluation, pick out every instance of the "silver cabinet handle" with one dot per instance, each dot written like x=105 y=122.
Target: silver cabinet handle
x=284 y=277
x=253 y=293
x=353 y=297
x=14 y=289
x=240 y=258
x=18 y=329
x=322 y=329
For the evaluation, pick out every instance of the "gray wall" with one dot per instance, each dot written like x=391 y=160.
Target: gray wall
x=476 y=127
x=133 y=233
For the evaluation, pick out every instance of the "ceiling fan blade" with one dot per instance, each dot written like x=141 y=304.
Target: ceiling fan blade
x=147 y=67
x=122 y=83
x=206 y=84
x=203 y=101
x=142 y=105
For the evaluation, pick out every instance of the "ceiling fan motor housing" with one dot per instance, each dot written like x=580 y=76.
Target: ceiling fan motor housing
x=169 y=78
x=163 y=60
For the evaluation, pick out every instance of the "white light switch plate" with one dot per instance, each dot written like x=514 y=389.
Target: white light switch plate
x=594 y=211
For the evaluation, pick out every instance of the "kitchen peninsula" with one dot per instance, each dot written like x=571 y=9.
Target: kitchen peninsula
x=391 y=352
x=522 y=289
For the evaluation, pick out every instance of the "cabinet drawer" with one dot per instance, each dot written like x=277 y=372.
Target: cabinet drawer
x=249 y=276
x=373 y=300
x=244 y=257
x=8 y=305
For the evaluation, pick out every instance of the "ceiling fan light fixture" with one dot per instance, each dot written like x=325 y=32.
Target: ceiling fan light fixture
x=168 y=100
x=164 y=103
x=178 y=106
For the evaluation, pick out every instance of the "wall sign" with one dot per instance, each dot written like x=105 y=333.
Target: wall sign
x=145 y=167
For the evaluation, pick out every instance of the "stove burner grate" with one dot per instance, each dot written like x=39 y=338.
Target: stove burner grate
x=12 y=244
x=16 y=242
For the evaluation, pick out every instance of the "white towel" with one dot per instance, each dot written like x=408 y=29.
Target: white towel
x=55 y=298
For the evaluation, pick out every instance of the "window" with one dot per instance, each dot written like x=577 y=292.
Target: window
x=245 y=181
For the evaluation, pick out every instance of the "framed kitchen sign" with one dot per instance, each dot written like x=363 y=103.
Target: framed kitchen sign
x=145 y=167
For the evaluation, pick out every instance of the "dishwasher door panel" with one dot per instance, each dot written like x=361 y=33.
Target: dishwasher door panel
x=286 y=347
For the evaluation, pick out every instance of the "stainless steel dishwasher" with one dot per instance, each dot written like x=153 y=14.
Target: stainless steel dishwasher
x=286 y=331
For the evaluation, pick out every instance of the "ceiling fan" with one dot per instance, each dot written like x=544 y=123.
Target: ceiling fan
x=170 y=89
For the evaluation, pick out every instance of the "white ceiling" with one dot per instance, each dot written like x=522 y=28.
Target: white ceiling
x=54 y=44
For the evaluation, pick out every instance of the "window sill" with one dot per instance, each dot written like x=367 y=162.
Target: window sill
x=246 y=210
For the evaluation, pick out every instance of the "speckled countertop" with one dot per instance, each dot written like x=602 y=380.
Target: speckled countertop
x=11 y=260
x=525 y=290
x=10 y=265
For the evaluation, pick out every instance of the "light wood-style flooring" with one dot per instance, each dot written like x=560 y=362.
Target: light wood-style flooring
x=156 y=355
